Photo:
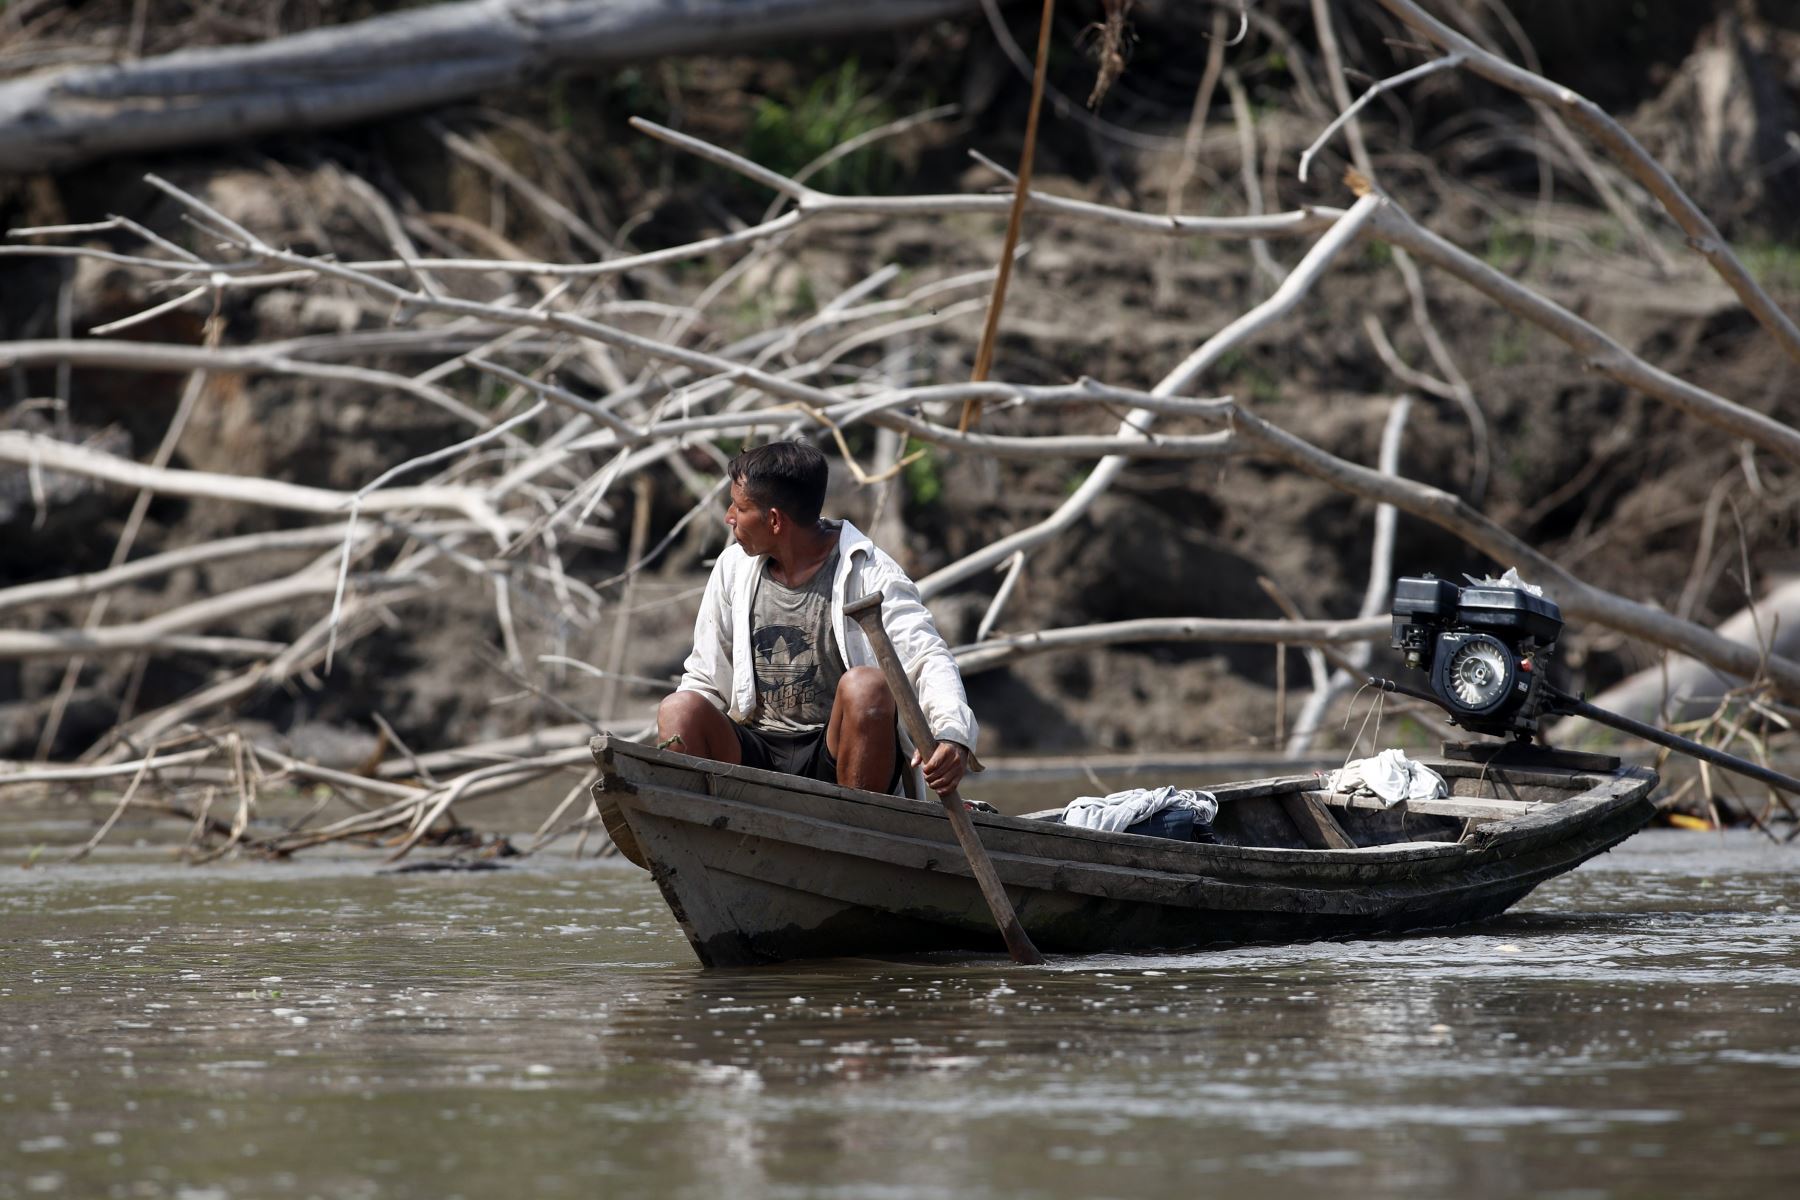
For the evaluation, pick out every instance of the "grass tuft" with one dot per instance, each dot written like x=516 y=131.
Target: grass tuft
x=787 y=136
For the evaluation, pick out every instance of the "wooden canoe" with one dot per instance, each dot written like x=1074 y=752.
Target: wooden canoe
x=760 y=868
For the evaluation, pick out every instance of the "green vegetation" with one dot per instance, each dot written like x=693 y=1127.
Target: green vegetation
x=634 y=93
x=751 y=311
x=1510 y=346
x=1507 y=243
x=924 y=479
x=1237 y=373
x=1261 y=385
x=1608 y=238
x=1520 y=465
x=785 y=137
x=1774 y=264
x=491 y=393
x=1408 y=732
x=806 y=298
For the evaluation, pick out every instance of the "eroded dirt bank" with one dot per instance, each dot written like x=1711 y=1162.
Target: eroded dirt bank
x=1627 y=492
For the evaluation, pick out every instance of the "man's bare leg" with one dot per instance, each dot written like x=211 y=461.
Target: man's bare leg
x=697 y=727
x=861 y=733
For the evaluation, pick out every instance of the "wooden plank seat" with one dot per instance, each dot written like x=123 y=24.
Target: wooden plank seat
x=1474 y=808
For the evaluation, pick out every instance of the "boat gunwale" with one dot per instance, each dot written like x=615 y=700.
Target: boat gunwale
x=1138 y=883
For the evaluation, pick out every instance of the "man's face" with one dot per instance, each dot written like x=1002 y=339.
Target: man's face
x=748 y=522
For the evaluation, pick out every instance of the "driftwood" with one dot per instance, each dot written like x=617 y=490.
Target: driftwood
x=389 y=64
x=1684 y=688
x=600 y=392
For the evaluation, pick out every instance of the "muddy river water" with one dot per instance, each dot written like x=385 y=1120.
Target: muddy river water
x=319 y=1029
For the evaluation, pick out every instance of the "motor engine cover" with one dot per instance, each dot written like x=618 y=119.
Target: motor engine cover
x=1484 y=648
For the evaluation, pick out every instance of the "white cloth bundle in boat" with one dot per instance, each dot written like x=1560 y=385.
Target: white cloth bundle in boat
x=1120 y=810
x=1391 y=776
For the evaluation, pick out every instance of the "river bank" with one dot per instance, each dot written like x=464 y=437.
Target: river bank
x=1603 y=481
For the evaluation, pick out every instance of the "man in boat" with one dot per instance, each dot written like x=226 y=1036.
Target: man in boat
x=779 y=677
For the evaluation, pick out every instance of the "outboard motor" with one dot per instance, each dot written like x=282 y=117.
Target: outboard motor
x=1485 y=648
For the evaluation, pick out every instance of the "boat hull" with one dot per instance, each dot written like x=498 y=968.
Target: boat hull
x=761 y=868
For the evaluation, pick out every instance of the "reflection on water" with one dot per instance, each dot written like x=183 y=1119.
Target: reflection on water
x=316 y=1029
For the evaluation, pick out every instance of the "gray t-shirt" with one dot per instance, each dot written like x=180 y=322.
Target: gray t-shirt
x=798 y=663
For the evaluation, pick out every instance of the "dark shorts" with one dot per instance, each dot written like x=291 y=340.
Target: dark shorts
x=802 y=754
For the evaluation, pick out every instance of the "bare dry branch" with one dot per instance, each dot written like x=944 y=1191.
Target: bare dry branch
x=47 y=454
x=1703 y=236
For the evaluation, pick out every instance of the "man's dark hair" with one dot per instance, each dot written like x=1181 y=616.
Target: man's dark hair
x=790 y=476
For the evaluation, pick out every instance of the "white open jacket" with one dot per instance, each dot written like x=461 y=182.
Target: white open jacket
x=721 y=667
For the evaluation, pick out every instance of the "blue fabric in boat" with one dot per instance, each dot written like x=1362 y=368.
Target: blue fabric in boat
x=1176 y=822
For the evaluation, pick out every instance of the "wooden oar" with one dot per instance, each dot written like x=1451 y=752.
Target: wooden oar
x=867 y=613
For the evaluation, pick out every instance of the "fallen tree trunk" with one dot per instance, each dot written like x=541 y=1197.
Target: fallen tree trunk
x=386 y=65
x=1685 y=688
